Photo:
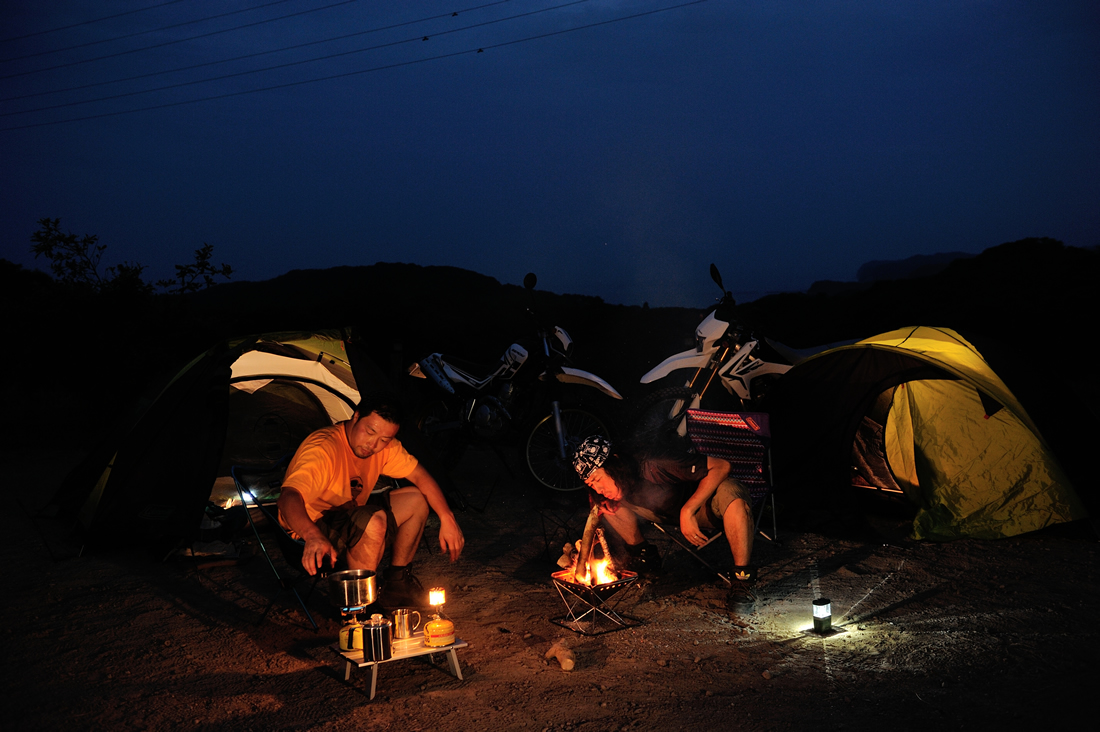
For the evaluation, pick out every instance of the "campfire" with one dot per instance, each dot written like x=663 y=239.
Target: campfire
x=590 y=584
x=585 y=565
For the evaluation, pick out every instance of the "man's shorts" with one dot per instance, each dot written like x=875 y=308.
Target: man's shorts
x=344 y=525
x=728 y=491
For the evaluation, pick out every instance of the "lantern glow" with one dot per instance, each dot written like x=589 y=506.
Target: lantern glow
x=436 y=596
x=823 y=615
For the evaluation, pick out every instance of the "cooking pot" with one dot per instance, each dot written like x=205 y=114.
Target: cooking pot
x=377 y=638
x=352 y=587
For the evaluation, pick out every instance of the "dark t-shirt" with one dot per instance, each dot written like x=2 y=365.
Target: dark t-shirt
x=667 y=481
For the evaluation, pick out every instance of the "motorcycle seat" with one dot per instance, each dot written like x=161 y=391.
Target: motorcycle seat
x=475 y=372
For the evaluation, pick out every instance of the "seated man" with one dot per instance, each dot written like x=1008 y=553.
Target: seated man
x=327 y=502
x=676 y=486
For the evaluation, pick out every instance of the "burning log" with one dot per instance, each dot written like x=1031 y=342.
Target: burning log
x=611 y=568
x=564 y=656
x=584 y=551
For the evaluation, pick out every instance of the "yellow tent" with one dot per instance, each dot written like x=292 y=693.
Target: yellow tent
x=956 y=440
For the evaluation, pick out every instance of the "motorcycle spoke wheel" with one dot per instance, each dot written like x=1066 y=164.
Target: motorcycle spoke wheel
x=660 y=414
x=543 y=458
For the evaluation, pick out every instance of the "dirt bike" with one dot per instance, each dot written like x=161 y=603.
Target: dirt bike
x=743 y=364
x=526 y=394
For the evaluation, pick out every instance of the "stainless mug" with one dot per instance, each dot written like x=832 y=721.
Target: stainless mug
x=401 y=622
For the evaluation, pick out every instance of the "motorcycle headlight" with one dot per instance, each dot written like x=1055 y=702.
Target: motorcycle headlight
x=561 y=342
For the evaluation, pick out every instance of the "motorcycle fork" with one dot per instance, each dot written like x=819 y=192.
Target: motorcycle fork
x=560 y=431
x=712 y=366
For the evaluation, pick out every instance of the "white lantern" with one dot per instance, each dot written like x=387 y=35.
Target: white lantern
x=823 y=615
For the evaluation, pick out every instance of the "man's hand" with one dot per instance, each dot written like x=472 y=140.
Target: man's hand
x=292 y=508
x=451 y=539
x=317 y=549
x=689 y=527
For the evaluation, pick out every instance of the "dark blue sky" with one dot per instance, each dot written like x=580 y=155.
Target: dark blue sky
x=786 y=141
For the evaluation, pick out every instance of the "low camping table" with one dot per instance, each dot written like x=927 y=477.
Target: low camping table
x=402 y=649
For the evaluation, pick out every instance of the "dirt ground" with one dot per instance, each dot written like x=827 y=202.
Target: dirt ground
x=971 y=634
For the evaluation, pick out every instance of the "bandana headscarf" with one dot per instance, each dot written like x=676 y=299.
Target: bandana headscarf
x=591 y=455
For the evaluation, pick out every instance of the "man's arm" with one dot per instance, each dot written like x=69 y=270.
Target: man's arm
x=292 y=507
x=717 y=470
x=451 y=539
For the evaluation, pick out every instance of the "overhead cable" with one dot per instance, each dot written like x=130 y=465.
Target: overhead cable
x=148 y=31
x=89 y=22
x=258 y=53
x=176 y=41
x=415 y=39
x=385 y=67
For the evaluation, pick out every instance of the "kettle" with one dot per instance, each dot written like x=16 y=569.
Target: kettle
x=377 y=638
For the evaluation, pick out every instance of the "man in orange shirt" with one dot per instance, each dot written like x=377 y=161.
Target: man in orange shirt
x=327 y=499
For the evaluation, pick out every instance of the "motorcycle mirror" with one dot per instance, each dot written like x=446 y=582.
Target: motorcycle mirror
x=716 y=276
x=529 y=281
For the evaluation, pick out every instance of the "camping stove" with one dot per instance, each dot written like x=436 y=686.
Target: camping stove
x=590 y=609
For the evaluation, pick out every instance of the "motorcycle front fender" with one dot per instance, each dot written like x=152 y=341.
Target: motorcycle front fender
x=687 y=360
x=576 y=376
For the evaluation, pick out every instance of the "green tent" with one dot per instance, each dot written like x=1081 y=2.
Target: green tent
x=951 y=436
x=246 y=400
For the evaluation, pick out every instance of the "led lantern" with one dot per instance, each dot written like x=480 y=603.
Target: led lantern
x=823 y=615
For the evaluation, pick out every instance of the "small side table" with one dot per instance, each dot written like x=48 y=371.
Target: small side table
x=402 y=649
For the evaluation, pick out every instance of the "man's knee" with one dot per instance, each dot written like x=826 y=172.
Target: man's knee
x=739 y=510
x=410 y=506
x=375 y=530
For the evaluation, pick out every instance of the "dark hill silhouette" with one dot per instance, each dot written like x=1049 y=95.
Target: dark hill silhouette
x=1027 y=305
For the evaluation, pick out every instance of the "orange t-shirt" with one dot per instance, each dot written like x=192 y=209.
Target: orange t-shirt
x=328 y=474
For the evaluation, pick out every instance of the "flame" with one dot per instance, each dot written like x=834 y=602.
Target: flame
x=601 y=569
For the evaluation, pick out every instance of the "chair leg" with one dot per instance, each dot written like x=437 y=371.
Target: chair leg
x=690 y=549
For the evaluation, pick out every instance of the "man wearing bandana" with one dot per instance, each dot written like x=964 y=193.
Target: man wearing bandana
x=673 y=486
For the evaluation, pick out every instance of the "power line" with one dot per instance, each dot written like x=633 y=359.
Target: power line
x=177 y=41
x=293 y=63
x=146 y=32
x=385 y=67
x=259 y=53
x=89 y=22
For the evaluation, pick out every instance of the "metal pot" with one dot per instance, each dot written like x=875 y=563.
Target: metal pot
x=352 y=588
x=377 y=638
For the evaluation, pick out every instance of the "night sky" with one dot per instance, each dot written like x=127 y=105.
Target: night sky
x=787 y=141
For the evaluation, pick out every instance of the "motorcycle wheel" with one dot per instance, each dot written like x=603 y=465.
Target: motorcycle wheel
x=660 y=414
x=543 y=458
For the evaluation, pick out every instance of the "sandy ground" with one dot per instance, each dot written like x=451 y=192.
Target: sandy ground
x=970 y=634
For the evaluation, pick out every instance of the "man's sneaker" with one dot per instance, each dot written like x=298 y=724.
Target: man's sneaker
x=741 y=598
x=643 y=559
x=401 y=588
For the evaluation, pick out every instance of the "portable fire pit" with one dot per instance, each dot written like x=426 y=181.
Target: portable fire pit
x=590 y=609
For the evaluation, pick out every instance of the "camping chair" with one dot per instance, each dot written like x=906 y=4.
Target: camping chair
x=260 y=488
x=743 y=439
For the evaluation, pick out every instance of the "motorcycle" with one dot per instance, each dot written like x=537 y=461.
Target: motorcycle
x=744 y=365
x=525 y=393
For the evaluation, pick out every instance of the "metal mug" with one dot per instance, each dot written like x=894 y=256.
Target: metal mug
x=401 y=622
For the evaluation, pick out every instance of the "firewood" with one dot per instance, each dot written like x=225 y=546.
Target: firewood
x=585 y=551
x=565 y=656
x=607 y=554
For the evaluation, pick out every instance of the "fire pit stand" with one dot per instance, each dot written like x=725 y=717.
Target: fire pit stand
x=591 y=610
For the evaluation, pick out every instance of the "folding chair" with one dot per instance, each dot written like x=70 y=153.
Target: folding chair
x=260 y=487
x=744 y=440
